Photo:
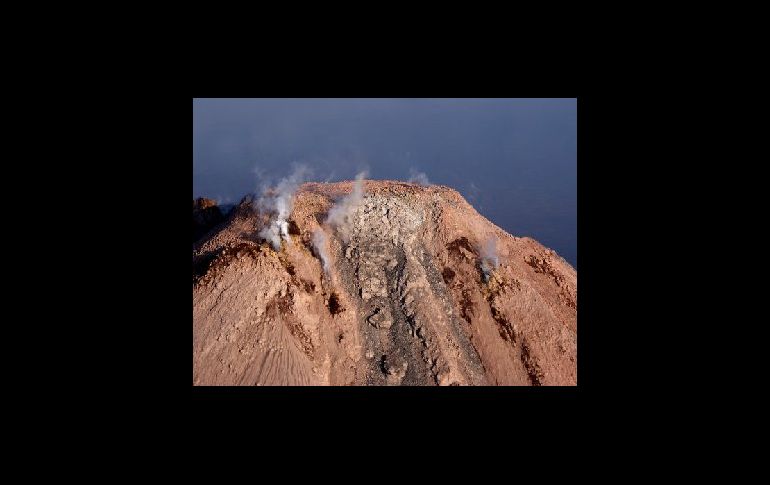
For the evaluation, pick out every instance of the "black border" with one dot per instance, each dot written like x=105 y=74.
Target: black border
x=592 y=119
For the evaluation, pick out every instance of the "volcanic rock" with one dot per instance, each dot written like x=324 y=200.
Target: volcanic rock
x=406 y=284
x=206 y=215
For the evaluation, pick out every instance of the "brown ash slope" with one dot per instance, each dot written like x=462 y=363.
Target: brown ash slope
x=404 y=300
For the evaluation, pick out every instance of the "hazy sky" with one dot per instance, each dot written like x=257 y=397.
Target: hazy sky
x=514 y=160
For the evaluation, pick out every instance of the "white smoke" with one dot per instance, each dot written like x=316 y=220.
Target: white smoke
x=330 y=177
x=473 y=192
x=489 y=258
x=319 y=243
x=220 y=200
x=341 y=214
x=416 y=177
x=259 y=172
x=278 y=201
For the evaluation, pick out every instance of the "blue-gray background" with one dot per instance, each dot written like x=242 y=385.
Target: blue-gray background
x=514 y=160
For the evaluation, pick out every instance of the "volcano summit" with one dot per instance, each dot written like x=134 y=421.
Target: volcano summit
x=377 y=283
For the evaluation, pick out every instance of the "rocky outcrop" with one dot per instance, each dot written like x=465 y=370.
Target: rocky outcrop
x=206 y=215
x=405 y=300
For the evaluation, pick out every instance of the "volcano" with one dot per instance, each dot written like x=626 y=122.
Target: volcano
x=409 y=286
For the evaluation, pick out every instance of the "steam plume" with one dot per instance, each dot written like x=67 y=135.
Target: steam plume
x=340 y=215
x=489 y=257
x=278 y=201
x=418 y=177
x=319 y=243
